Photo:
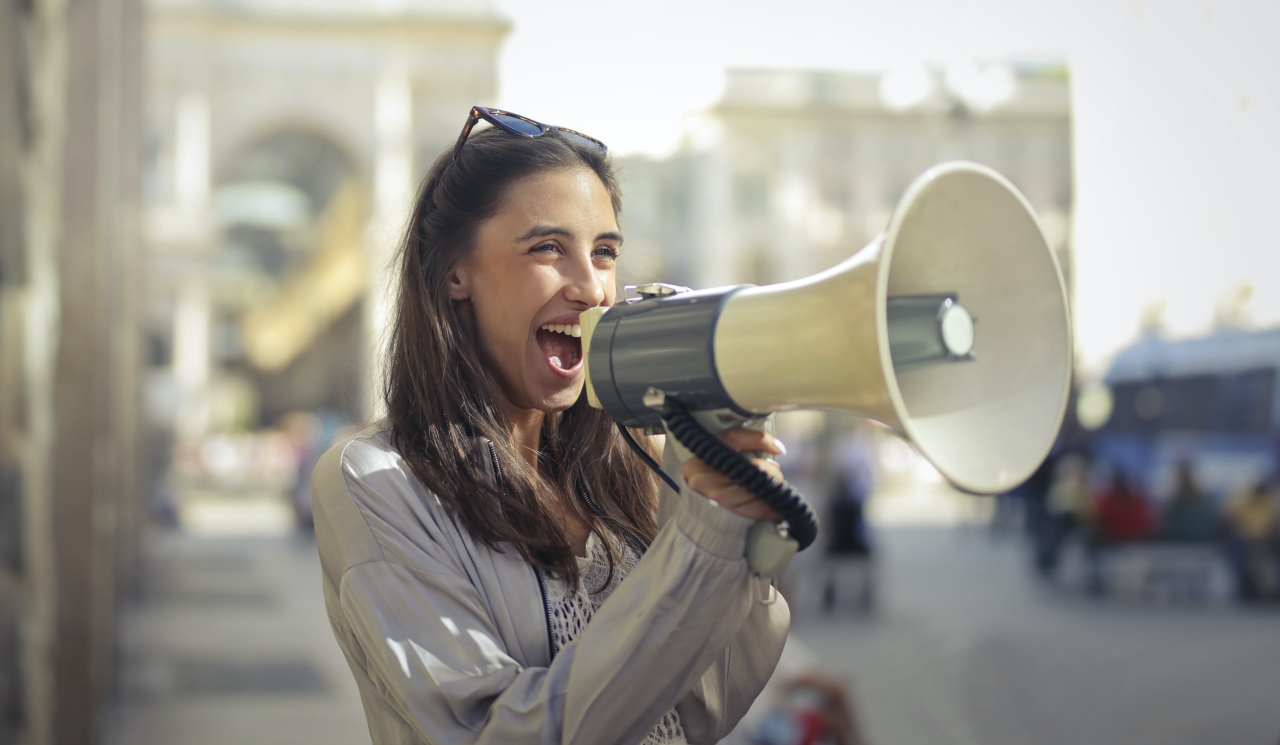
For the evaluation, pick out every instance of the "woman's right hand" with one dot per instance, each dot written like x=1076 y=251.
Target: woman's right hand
x=717 y=487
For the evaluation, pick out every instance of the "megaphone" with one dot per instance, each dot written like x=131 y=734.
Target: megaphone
x=951 y=327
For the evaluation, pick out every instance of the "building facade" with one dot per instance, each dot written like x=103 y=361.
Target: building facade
x=792 y=171
x=285 y=141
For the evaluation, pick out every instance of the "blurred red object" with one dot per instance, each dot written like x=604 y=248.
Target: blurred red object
x=1124 y=514
x=815 y=711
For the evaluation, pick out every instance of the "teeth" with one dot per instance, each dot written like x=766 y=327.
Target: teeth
x=574 y=330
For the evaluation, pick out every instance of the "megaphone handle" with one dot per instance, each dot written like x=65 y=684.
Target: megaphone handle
x=778 y=494
x=769 y=546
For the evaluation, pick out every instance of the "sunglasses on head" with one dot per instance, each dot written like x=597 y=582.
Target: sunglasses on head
x=521 y=126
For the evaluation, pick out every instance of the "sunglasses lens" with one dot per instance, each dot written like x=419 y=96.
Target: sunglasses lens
x=518 y=125
x=578 y=139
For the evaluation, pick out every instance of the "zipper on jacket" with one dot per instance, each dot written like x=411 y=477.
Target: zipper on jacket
x=546 y=607
x=633 y=537
x=497 y=467
x=497 y=476
x=537 y=572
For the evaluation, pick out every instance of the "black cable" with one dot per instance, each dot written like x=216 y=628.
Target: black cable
x=648 y=459
x=778 y=494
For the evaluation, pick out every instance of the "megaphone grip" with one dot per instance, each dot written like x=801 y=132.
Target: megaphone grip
x=778 y=494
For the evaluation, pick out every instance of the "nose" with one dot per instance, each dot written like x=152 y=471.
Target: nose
x=585 y=284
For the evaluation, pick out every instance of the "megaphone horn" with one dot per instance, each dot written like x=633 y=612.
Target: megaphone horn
x=951 y=327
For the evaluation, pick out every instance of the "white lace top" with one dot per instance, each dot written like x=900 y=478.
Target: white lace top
x=571 y=611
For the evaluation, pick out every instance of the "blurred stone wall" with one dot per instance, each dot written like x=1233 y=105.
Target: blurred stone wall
x=70 y=104
x=11 y=277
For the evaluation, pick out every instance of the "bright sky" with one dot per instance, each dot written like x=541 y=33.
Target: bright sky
x=626 y=70
x=1176 y=115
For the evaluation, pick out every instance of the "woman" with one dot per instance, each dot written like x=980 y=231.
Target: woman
x=468 y=539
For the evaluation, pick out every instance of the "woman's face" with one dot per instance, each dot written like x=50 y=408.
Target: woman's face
x=547 y=255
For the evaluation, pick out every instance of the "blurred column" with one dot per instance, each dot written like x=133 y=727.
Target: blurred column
x=192 y=311
x=793 y=204
x=191 y=154
x=718 y=251
x=69 y=377
x=18 y=688
x=191 y=331
x=392 y=192
x=35 y=333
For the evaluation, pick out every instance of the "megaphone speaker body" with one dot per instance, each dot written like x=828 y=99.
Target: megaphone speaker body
x=962 y=241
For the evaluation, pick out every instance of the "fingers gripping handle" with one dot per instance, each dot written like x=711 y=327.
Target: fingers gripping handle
x=801 y=523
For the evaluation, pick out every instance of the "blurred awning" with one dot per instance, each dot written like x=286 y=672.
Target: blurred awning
x=1224 y=352
x=313 y=298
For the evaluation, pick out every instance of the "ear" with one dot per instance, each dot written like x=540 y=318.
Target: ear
x=460 y=285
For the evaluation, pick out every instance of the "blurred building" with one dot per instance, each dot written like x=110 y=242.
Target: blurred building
x=284 y=143
x=793 y=171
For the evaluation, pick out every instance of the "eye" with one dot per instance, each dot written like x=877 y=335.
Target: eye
x=544 y=248
x=605 y=252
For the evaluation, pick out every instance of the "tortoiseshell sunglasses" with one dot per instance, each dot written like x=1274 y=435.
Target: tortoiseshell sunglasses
x=522 y=126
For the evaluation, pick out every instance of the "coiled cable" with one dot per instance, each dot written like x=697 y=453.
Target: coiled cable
x=802 y=523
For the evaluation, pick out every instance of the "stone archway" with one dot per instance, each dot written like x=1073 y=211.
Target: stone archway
x=292 y=271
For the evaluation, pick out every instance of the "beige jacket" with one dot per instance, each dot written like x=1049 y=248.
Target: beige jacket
x=448 y=639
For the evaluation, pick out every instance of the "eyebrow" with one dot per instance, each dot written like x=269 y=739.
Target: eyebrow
x=542 y=231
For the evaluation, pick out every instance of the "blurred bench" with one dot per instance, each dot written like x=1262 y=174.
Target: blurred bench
x=1166 y=572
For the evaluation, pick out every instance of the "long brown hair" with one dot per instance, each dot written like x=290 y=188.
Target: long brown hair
x=440 y=390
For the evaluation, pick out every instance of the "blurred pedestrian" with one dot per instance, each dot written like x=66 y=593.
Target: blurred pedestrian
x=1124 y=514
x=848 y=544
x=1070 y=509
x=848 y=526
x=1252 y=516
x=1189 y=516
x=1025 y=503
x=305 y=431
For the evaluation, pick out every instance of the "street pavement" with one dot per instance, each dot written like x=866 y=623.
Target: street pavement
x=229 y=643
x=967 y=647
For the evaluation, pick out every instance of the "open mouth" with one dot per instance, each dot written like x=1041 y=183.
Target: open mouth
x=561 y=345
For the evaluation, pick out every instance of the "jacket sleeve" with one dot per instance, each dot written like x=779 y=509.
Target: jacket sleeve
x=428 y=644
x=723 y=694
